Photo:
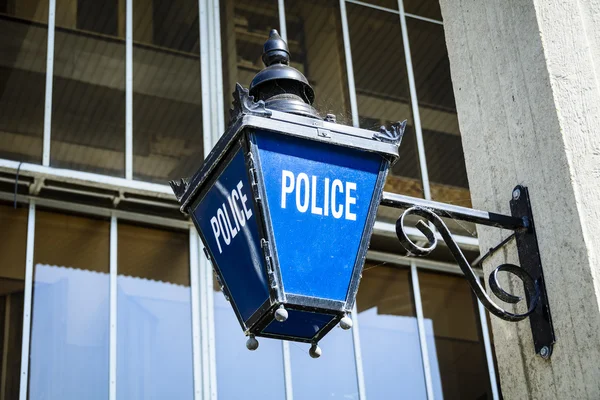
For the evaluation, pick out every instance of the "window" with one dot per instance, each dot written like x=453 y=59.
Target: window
x=382 y=87
x=333 y=375
x=88 y=101
x=13 y=239
x=154 y=327
x=389 y=336
x=245 y=26
x=456 y=354
x=70 y=308
x=23 y=39
x=424 y=8
x=317 y=50
x=241 y=373
x=441 y=134
x=167 y=109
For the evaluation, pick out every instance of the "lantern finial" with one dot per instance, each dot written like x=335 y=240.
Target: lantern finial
x=281 y=86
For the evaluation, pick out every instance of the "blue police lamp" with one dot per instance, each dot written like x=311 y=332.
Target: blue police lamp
x=285 y=205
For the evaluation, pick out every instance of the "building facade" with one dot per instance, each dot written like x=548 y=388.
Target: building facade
x=104 y=288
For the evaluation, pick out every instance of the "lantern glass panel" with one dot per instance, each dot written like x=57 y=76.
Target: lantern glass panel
x=226 y=216
x=319 y=198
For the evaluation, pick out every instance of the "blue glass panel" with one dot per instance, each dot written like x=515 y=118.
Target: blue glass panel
x=243 y=374
x=301 y=324
x=332 y=376
x=154 y=346
x=391 y=355
x=227 y=219
x=154 y=327
x=69 y=334
x=389 y=337
x=70 y=308
x=319 y=197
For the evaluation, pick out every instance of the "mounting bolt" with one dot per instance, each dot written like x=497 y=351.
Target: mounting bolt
x=252 y=343
x=330 y=118
x=516 y=194
x=281 y=314
x=545 y=352
x=346 y=323
x=315 y=351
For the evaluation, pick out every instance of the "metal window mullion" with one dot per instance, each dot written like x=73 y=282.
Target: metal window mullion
x=287 y=370
x=205 y=76
x=433 y=21
x=488 y=350
x=129 y=89
x=282 y=23
x=196 y=311
x=49 y=83
x=112 y=341
x=373 y=6
x=212 y=363
x=421 y=329
x=203 y=293
x=360 y=376
x=214 y=125
x=27 y=301
x=349 y=67
x=218 y=84
x=415 y=104
x=5 y=344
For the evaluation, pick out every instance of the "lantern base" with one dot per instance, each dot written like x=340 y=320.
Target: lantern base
x=304 y=323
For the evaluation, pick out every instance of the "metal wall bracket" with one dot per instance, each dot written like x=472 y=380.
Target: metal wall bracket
x=529 y=258
x=529 y=273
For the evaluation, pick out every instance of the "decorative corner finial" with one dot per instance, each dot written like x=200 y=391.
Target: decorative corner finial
x=179 y=187
x=394 y=135
x=275 y=50
x=243 y=103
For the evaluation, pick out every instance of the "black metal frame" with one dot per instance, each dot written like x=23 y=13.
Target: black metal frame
x=247 y=116
x=530 y=273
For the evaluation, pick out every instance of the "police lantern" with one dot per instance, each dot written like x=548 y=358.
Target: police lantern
x=285 y=205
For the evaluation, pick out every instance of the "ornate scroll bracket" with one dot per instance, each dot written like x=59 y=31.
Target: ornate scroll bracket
x=529 y=273
x=243 y=103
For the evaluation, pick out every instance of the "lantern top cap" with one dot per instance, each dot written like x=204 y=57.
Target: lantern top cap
x=275 y=50
x=279 y=78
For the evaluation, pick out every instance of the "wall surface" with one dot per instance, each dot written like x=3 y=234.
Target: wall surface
x=526 y=77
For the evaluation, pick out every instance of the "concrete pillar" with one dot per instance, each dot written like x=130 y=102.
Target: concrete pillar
x=526 y=77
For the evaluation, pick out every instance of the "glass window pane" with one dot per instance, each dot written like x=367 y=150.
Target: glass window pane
x=441 y=134
x=424 y=8
x=317 y=50
x=167 y=110
x=389 y=337
x=244 y=374
x=245 y=26
x=88 y=102
x=70 y=310
x=333 y=375
x=23 y=42
x=456 y=353
x=382 y=87
x=13 y=242
x=154 y=335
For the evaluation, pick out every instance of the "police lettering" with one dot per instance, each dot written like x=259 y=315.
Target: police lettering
x=322 y=197
x=231 y=217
